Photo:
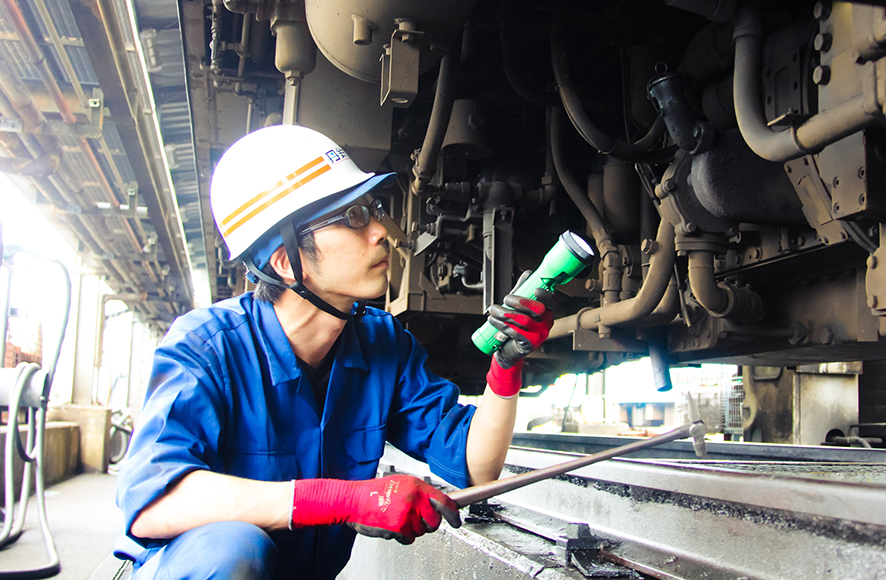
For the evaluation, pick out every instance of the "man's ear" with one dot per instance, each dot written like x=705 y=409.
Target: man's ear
x=279 y=261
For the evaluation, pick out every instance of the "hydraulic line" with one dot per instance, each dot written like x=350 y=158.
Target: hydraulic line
x=523 y=90
x=661 y=267
x=610 y=256
x=719 y=299
x=426 y=157
x=597 y=138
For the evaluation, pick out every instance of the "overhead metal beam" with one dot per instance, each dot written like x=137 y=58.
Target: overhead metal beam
x=99 y=21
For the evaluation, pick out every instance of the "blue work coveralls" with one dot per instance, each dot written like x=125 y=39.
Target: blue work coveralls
x=227 y=395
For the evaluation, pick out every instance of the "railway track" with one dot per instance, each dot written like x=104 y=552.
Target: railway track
x=779 y=512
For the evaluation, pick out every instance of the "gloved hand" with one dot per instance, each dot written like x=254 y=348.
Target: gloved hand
x=401 y=507
x=526 y=323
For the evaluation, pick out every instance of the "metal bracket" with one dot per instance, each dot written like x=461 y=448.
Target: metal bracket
x=399 y=66
x=789 y=119
x=128 y=256
x=816 y=199
x=875 y=282
x=91 y=130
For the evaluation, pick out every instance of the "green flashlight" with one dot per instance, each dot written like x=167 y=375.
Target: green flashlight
x=569 y=256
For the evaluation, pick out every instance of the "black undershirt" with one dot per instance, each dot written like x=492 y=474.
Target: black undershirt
x=319 y=376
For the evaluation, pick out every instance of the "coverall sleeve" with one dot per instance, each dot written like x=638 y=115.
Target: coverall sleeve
x=426 y=420
x=179 y=427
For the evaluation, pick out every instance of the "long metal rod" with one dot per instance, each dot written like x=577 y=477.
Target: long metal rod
x=470 y=495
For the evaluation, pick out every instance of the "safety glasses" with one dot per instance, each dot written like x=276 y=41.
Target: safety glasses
x=355 y=217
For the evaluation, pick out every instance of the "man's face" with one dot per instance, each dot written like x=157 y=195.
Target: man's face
x=351 y=264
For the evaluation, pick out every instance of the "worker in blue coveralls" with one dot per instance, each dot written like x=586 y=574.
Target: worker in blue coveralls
x=266 y=414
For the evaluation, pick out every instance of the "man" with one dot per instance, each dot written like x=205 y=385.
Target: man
x=267 y=414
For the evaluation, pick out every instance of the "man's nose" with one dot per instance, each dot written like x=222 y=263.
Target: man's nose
x=377 y=231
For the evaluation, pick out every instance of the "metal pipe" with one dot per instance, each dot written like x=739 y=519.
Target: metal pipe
x=688 y=132
x=611 y=266
x=661 y=267
x=704 y=286
x=719 y=299
x=215 y=36
x=667 y=309
x=426 y=159
x=812 y=136
x=523 y=90
x=597 y=138
x=474 y=494
x=575 y=191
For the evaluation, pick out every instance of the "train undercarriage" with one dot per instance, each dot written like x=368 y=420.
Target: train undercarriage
x=722 y=158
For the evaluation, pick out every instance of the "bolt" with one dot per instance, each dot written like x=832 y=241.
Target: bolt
x=873 y=300
x=821 y=75
x=821 y=10
x=577 y=531
x=872 y=262
x=823 y=41
x=756 y=253
x=826 y=336
x=649 y=246
x=669 y=185
x=691 y=227
x=836 y=207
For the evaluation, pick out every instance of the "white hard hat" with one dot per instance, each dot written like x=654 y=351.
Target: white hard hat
x=271 y=174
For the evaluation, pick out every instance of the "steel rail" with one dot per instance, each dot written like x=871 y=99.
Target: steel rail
x=474 y=494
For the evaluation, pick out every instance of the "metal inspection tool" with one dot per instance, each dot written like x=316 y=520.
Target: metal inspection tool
x=470 y=495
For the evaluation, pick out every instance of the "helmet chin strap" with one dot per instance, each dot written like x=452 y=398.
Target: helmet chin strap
x=290 y=242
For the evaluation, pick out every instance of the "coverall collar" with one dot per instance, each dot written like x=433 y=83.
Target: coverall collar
x=282 y=363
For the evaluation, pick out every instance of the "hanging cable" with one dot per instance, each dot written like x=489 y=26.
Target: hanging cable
x=597 y=138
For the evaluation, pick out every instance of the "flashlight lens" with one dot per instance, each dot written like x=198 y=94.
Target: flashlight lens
x=578 y=246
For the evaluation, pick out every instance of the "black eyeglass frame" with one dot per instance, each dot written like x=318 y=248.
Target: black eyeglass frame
x=374 y=209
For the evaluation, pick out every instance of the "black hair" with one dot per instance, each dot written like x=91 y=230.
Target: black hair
x=271 y=292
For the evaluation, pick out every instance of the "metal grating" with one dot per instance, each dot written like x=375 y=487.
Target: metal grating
x=733 y=397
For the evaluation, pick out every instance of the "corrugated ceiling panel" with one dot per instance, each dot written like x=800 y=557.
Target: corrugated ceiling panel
x=62 y=18
x=14 y=55
x=82 y=65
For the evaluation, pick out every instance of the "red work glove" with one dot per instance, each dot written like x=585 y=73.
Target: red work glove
x=399 y=506
x=526 y=323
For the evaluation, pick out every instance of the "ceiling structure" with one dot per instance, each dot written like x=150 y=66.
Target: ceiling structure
x=95 y=127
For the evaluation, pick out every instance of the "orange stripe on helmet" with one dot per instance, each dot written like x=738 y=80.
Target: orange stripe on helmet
x=275 y=199
x=270 y=191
